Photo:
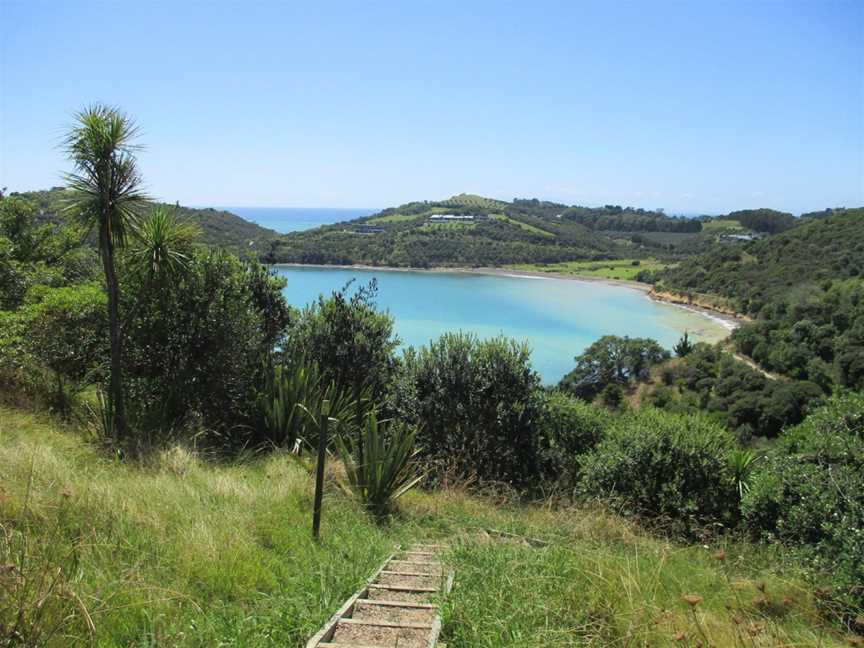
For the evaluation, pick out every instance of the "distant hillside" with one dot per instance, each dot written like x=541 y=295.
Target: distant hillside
x=218 y=228
x=470 y=230
x=754 y=273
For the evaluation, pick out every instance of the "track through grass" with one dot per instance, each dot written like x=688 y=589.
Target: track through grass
x=181 y=551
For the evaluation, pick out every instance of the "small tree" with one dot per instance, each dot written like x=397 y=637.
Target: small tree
x=612 y=360
x=106 y=196
x=684 y=346
x=351 y=342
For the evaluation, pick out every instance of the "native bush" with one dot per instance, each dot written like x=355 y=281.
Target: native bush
x=665 y=465
x=197 y=343
x=352 y=342
x=477 y=404
x=809 y=491
x=379 y=462
x=53 y=343
x=568 y=428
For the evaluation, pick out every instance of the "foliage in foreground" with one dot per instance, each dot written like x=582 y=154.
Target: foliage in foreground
x=197 y=344
x=177 y=551
x=808 y=493
x=380 y=463
x=570 y=428
x=477 y=404
x=352 y=343
x=659 y=464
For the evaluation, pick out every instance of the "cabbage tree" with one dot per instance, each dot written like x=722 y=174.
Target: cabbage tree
x=106 y=195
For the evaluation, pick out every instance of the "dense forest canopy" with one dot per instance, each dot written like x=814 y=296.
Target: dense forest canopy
x=790 y=264
x=768 y=221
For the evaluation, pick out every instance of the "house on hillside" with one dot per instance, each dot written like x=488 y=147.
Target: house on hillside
x=451 y=217
x=368 y=229
x=742 y=237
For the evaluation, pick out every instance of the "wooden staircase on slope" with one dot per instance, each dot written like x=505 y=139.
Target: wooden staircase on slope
x=394 y=609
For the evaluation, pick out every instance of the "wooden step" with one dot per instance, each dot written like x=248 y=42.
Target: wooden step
x=405 y=604
x=386 y=624
x=401 y=588
x=407 y=573
x=393 y=613
x=414 y=563
x=382 y=635
x=328 y=644
x=390 y=595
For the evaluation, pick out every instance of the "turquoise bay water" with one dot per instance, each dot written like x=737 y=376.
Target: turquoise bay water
x=557 y=317
x=296 y=219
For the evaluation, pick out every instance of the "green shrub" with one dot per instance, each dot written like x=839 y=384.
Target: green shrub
x=67 y=329
x=292 y=403
x=53 y=343
x=569 y=427
x=477 y=404
x=664 y=464
x=196 y=346
x=612 y=360
x=380 y=463
x=809 y=491
x=287 y=387
x=351 y=342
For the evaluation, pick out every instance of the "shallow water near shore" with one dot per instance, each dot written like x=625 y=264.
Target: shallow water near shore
x=557 y=317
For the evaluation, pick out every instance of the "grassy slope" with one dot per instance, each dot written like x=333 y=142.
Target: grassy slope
x=525 y=226
x=182 y=552
x=612 y=269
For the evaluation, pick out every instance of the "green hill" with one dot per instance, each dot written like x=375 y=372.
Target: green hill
x=218 y=227
x=470 y=230
x=786 y=265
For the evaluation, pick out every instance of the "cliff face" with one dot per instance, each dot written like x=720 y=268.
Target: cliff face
x=697 y=300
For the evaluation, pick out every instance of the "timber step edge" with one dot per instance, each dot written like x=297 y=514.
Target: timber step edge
x=402 y=604
x=385 y=624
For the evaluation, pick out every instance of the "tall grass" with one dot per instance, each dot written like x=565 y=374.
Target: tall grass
x=178 y=551
x=174 y=551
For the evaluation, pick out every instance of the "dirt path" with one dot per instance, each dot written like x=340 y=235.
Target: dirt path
x=394 y=608
x=750 y=363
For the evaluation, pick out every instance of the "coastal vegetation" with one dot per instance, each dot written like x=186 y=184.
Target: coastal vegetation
x=162 y=403
x=217 y=227
x=468 y=230
x=178 y=549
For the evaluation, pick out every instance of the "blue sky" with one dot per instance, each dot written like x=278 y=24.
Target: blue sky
x=690 y=106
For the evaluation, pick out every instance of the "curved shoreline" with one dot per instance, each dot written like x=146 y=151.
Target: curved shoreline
x=728 y=322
